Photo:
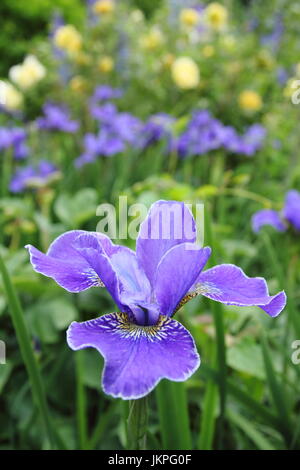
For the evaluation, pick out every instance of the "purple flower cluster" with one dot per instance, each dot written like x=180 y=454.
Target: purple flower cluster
x=57 y=118
x=33 y=176
x=14 y=138
x=117 y=130
x=142 y=343
x=205 y=133
x=158 y=127
x=279 y=220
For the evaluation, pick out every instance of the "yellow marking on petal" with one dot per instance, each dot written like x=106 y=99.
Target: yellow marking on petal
x=133 y=330
x=200 y=288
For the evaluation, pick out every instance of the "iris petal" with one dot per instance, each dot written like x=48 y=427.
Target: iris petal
x=65 y=264
x=137 y=358
x=267 y=217
x=169 y=223
x=228 y=284
x=177 y=272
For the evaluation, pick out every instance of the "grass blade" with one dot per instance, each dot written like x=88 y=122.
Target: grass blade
x=217 y=311
x=277 y=394
x=247 y=427
x=27 y=352
x=173 y=415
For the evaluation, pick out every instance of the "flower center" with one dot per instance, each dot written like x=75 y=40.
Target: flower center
x=133 y=330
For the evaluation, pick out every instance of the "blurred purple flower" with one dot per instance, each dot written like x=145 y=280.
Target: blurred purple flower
x=106 y=92
x=205 y=133
x=290 y=213
x=117 y=131
x=252 y=140
x=33 y=176
x=15 y=138
x=157 y=128
x=57 y=117
x=267 y=217
x=291 y=210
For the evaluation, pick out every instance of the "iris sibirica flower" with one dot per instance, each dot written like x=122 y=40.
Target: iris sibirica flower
x=57 y=118
x=118 y=130
x=279 y=220
x=205 y=133
x=142 y=343
x=37 y=176
x=15 y=138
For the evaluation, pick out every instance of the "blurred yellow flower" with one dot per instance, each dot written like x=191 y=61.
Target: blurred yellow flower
x=208 y=50
x=102 y=7
x=106 y=64
x=185 y=73
x=153 y=39
x=216 y=16
x=249 y=100
x=290 y=87
x=78 y=83
x=28 y=73
x=11 y=98
x=189 y=17
x=68 y=38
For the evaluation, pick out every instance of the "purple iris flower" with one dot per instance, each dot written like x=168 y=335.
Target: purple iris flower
x=205 y=133
x=33 y=176
x=14 y=138
x=157 y=128
x=290 y=213
x=57 y=117
x=106 y=92
x=267 y=217
x=143 y=344
x=252 y=140
x=291 y=210
x=117 y=131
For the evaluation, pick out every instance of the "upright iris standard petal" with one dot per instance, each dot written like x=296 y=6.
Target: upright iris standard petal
x=228 y=284
x=176 y=273
x=291 y=210
x=169 y=223
x=267 y=217
x=65 y=263
x=137 y=358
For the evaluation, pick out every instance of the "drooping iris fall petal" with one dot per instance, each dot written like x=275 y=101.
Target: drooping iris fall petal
x=137 y=358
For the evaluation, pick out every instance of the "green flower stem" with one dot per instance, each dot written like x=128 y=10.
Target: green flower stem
x=6 y=172
x=27 y=352
x=80 y=401
x=137 y=424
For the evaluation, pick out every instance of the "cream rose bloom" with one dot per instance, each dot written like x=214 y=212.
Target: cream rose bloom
x=185 y=73
x=27 y=74
x=10 y=98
